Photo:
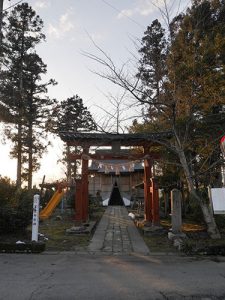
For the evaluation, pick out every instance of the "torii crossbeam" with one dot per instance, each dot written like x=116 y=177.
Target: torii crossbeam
x=144 y=140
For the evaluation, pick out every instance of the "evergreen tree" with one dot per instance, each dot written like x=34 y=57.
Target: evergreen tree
x=74 y=116
x=152 y=68
x=196 y=65
x=192 y=89
x=38 y=108
x=22 y=90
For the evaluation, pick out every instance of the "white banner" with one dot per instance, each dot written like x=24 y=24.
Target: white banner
x=218 y=200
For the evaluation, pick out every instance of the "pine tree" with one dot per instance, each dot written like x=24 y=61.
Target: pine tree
x=196 y=70
x=192 y=88
x=152 y=68
x=22 y=90
x=74 y=116
x=38 y=108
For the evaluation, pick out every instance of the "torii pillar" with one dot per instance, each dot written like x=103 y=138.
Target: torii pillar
x=78 y=201
x=155 y=202
x=81 y=213
x=147 y=194
x=84 y=180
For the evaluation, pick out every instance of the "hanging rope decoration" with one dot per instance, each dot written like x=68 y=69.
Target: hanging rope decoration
x=116 y=167
x=112 y=167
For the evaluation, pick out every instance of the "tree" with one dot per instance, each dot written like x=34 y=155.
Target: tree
x=152 y=65
x=197 y=54
x=116 y=114
x=22 y=91
x=73 y=116
x=38 y=108
x=7 y=191
x=190 y=91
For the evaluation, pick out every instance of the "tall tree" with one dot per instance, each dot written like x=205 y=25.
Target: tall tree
x=38 y=108
x=22 y=90
x=74 y=116
x=196 y=80
x=152 y=65
x=192 y=88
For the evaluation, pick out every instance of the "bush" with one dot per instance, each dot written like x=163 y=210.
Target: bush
x=24 y=200
x=16 y=215
x=195 y=211
x=220 y=221
x=7 y=191
x=14 y=220
x=33 y=247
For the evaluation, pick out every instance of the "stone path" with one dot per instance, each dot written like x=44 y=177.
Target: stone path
x=117 y=234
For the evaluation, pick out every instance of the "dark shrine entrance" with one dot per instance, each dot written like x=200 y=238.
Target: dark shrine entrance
x=115 y=197
x=143 y=141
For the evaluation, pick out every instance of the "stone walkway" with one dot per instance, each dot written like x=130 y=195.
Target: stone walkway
x=117 y=234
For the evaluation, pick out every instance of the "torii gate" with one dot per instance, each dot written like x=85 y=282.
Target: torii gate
x=86 y=140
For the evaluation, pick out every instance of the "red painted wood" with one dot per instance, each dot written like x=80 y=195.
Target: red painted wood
x=78 y=201
x=155 y=202
x=147 y=194
x=73 y=157
x=84 y=180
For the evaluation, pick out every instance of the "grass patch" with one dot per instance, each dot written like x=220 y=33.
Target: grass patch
x=58 y=240
x=54 y=229
x=160 y=243
x=197 y=242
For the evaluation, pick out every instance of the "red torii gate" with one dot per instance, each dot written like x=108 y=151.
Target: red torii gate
x=86 y=140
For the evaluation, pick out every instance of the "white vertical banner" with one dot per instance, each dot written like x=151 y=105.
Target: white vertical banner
x=35 y=220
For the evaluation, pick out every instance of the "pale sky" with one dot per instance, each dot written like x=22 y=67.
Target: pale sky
x=114 y=25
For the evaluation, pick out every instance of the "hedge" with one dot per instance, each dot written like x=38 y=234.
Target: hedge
x=28 y=247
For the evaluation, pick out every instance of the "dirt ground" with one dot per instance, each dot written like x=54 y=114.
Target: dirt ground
x=53 y=233
x=197 y=239
x=58 y=240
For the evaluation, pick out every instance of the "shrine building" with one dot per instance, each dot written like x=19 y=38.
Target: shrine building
x=119 y=166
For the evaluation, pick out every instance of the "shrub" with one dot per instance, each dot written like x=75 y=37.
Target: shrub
x=16 y=215
x=220 y=221
x=24 y=200
x=14 y=220
x=195 y=211
x=7 y=191
x=33 y=247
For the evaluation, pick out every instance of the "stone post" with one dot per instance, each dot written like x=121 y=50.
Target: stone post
x=176 y=211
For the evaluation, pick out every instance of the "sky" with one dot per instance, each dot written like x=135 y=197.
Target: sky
x=71 y=27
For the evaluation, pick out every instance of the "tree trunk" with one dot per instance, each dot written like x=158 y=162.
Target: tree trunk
x=19 y=157
x=30 y=156
x=207 y=213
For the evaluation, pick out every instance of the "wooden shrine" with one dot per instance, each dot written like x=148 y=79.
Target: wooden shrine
x=116 y=141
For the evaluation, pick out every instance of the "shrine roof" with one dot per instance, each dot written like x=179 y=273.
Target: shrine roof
x=125 y=139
